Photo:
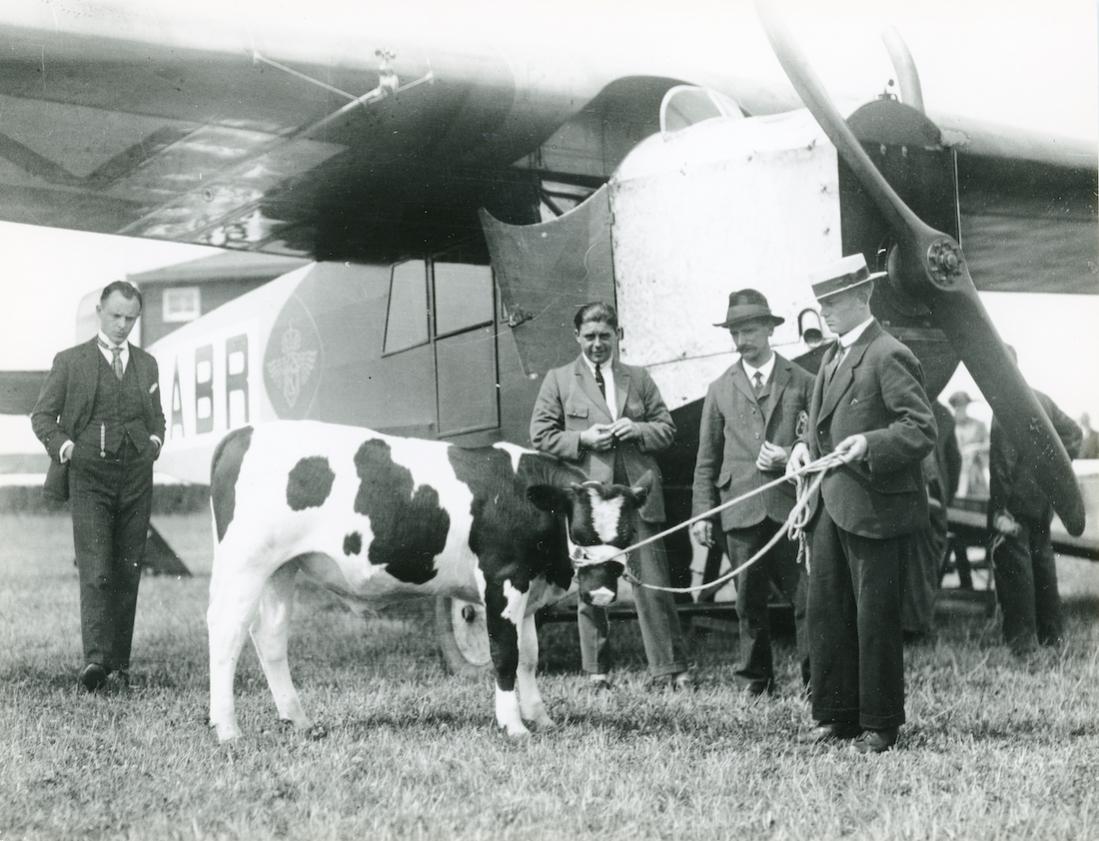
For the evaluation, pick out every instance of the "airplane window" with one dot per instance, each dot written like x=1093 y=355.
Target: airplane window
x=406 y=321
x=685 y=105
x=463 y=297
x=468 y=397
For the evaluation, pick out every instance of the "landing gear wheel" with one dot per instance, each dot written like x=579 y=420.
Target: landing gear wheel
x=463 y=636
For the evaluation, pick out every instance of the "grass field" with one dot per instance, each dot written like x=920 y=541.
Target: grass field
x=995 y=748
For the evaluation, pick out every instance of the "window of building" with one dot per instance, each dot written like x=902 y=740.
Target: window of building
x=180 y=304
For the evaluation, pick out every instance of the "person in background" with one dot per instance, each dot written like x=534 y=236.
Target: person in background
x=870 y=410
x=972 y=437
x=609 y=418
x=1019 y=518
x=749 y=424
x=1089 y=446
x=99 y=418
x=941 y=468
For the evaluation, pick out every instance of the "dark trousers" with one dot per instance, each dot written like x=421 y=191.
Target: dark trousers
x=856 y=652
x=753 y=591
x=110 y=500
x=1026 y=587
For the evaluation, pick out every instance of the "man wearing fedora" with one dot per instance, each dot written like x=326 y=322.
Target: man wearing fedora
x=868 y=407
x=749 y=425
x=99 y=418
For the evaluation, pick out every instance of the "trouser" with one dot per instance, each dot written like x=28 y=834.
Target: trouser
x=110 y=499
x=1026 y=587
x=753 y=591
x=661 y=634
x=922 y=572
x=856 y=653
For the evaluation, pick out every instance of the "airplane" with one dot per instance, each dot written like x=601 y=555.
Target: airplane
x=461 y=196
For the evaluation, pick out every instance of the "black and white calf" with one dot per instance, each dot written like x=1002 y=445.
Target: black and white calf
x=375 y=518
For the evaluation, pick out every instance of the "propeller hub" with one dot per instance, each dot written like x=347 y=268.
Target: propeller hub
x=944 y=263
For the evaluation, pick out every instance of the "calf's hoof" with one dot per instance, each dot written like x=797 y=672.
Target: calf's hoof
x=225 y=732
x=514 y=730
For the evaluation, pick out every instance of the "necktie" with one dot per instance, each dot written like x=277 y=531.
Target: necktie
x=599 y=381
x=116 y=359
x=758 y=384
x=833 y=366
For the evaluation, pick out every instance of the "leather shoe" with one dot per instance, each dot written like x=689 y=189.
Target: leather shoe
x=600 y=683
x=682 y=682
x=876 y=741
x=829 y=731
x=93 y=676
x=756 y=688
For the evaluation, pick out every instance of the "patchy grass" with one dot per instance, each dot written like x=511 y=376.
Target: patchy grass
x=995 y=747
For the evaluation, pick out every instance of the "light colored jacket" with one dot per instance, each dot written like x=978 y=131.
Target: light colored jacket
x=569 y=402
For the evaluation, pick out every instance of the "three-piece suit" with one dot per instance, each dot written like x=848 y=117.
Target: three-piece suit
x=735 y=423
x=569 y=402
x=862 y=529
x=108 y=478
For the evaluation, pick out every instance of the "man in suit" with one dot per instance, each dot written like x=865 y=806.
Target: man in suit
x=1019 y=517
x=609 y=418
x=100 y=419
x=869 y=408
x=749 y=425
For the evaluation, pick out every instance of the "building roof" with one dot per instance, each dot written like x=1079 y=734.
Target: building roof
x=237 y=265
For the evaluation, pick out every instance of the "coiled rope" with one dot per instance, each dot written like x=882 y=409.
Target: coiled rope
x=793 y=528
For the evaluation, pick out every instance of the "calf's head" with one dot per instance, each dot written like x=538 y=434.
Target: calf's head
x=601 y=521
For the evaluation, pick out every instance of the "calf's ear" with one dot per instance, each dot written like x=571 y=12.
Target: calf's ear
x=549 y=498
x=640 y=492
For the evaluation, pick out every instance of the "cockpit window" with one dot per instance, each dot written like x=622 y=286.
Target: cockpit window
x=686 y=105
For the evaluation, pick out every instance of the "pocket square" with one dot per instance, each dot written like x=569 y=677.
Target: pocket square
x=153 y=387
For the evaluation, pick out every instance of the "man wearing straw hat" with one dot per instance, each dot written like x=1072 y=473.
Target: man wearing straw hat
x=749 y=425
x=870 y=409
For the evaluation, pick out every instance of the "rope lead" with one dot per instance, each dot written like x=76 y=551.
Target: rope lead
x=793 y=528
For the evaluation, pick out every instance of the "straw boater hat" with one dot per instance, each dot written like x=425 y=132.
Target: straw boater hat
x=846 y=273
x=748 y=305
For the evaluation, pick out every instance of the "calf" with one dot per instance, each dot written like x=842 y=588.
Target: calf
x=375 y=518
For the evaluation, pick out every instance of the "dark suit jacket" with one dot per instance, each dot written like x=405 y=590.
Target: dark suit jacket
x=1013 y=485
x=877 y=392
x=569 y=402
x=65 y=404
x=734 y=426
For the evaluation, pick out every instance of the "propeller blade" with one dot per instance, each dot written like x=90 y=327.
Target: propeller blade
x=931 y=268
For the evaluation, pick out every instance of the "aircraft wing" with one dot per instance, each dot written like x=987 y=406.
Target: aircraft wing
x=345 y=142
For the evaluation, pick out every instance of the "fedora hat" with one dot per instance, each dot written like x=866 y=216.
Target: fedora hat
x=748 y=305
x=845 y=273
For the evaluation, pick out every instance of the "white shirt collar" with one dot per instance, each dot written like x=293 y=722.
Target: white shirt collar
x=604 y=367
x=852 y=335
x=765 y=369
x=103 y=340
x=607 y=370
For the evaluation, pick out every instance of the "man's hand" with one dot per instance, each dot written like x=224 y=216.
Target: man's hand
x=799 y=457
x=65 y=452
x=156 y=446
x=624 y=429
x=1004 y=523
x=771 y=457
x=598 y=437
x=852 y=448
x=703 y=533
